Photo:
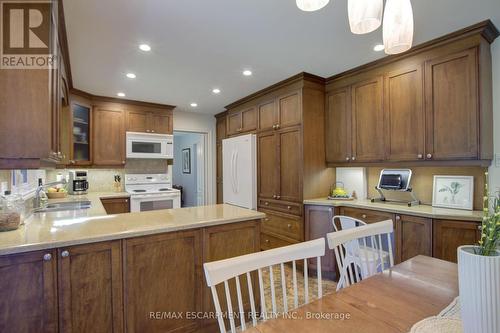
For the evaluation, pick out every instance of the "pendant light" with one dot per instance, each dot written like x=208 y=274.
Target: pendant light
x=398 y=26
x=365 y=15
x=311 y=5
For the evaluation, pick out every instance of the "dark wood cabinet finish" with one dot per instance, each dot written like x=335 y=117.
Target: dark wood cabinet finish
x=452 y=110
x=448 y=235
x=318 y=223
x=116 y=205
x=271 y=241
x=366 y=215
x=108 y=136
x=404 y=125
x=242 y=121
x=137 y=121
x=289 y=110
x=220 y=131
x=338 y=126
x=267 y=114
x=163 y=273
x=414 y=237
x=267 y=165
x=368 y=121
x=28 y=292
x=283 y=224
x=290 y=165
x=90 y=288
x=157 y=122
x=162 y=123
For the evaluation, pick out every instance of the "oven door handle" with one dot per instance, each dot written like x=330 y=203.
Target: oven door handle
x=153 y=197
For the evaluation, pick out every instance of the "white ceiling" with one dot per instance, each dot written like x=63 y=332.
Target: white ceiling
x=201 y=44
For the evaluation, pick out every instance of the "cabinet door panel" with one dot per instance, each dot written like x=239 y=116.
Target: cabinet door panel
x=234 y=125
x=90 y=285
x=452 y=109
x=449 y=235
x=162 y=273
x=414 y=237
x=268 y=165
x=404 y=115
x=289 y=110
x=28 y=296
x=338 y=126
x=161 y=123
x=368 y=121
x=290 y=177
x=137 y=121
x=221 y=128
x=109 y=137
x=249 y=120
x=116 y=205
x=267 y=116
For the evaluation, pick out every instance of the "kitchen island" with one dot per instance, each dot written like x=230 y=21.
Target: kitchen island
x=85 y=271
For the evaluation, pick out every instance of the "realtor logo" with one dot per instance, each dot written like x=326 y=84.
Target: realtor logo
x=26 y=35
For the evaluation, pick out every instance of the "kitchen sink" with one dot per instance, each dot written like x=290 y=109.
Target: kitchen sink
x=62 y=206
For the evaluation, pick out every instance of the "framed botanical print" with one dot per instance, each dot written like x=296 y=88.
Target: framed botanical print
x=186 y=160
x=453 y=192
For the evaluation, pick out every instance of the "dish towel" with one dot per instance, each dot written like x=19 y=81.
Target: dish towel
x=447 y=321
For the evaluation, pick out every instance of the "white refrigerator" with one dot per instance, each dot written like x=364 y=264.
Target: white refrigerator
x=239 y=171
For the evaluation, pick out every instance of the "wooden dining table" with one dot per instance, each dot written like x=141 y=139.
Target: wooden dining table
x=391 y=301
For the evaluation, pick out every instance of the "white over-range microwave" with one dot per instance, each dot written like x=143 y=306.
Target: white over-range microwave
x=148 y=145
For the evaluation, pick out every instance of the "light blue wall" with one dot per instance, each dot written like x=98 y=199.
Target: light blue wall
x=494 y=170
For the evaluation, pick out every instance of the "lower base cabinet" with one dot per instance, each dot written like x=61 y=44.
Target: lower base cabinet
x=90 y=288
x=116 y=205
x=413 y=237
x=28 y=292
x=448 y=235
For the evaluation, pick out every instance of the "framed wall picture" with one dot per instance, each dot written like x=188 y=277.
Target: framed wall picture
x=453 y=192
x=186 y=160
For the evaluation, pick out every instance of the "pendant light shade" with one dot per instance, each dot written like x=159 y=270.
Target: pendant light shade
x=365 y=15
x=311 y=5
x=398 y=26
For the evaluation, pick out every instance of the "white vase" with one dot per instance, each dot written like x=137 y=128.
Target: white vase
x=479 y=287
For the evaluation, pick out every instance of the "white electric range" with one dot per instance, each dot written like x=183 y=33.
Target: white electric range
x=151 y=192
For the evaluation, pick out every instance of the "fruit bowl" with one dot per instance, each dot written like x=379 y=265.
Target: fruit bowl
x=57 y=195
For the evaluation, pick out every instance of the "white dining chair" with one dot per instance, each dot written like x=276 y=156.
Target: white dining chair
x=223 y=271
x=364 y=257
x=353 y=258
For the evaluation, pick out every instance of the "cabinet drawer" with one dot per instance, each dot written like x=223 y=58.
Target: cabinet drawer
x=289 y=226
x=281 y=206
x=268 y=242
x=366 y=215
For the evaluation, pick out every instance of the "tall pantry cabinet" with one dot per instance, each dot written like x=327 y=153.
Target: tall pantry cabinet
x=288 y=119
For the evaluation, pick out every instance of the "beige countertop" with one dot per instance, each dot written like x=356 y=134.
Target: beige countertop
x=65 y=228
x=401 y=208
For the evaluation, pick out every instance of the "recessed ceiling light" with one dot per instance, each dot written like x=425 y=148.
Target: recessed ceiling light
x=378 y=47
x=145 y=47
x=216 y=91
x=120 y=94
x=247 y=72
x=131 y=75
x=193 y=105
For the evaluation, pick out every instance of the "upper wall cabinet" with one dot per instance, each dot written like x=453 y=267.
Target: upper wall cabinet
x=159 y=122
x=432 y=105
x=109 y=136
x=242 y=121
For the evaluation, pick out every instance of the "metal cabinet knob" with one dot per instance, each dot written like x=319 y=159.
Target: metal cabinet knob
x=123 y=162
x=267 y=240
x=152 y=131
x=72 y=162
x=398 y=217
x=266 y=203
x=274 y=196
x=126 y=200
x=277 y=126
x=479 y=227
x=288 y=207
x=353 y=158
x=363 y=216
x=420 y=156
x=274 y=126
x=266 y=219
x=47 y=257
x=289 y=226
x=147 y=131
x=429 y=155
x=278 y=197
x=347 y=158
x=65 y=253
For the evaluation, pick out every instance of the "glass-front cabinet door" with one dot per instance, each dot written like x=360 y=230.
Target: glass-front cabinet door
x=81 y=118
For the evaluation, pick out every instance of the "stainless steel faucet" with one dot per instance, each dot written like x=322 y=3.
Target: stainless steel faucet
x=36 y=201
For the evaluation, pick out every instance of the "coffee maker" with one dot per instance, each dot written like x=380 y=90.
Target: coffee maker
x=78 y=183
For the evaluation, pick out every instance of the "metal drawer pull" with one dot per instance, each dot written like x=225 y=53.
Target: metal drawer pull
x=363 y=216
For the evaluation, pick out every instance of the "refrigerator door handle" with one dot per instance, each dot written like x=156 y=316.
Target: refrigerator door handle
x=233 y=153
x=236 y=172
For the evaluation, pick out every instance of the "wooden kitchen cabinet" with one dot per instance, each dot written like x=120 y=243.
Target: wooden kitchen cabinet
x=80 y=119
x=282 y=112
x=116 y=205
x=414 y=237
x=267 y=113
x=318 y=223
x=267 y=165
x=242 y=121
x=227 y=241
x=220 y=128
x=163 y=273
x=452 y=109
x=366 y=215
x=109 y=136
x=448 y=235
x=28 y=292
x=368 y=121
x=404 y=125
x=90 y=288
x=338 y=124
x=283 y=224
x=158 y=122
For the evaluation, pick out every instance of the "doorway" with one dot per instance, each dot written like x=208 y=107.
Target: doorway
x=189 y=167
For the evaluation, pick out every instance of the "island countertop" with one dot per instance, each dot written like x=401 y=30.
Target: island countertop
x=56 y=229
x=401 y=208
